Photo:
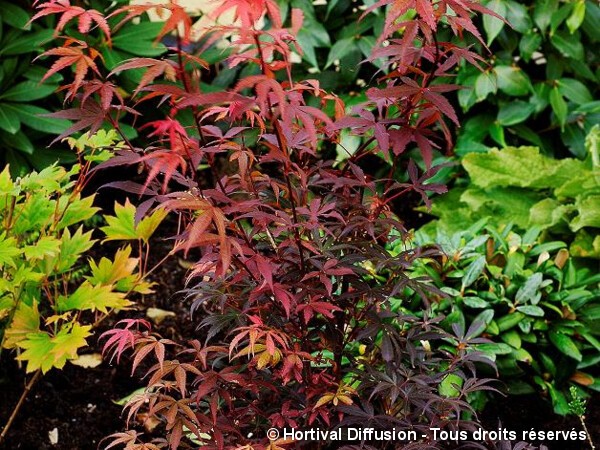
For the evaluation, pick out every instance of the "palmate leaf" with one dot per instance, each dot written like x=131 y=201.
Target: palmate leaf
x=68 y=12
x=122 y=225
x=26 y=320
x=44 y=352
x=95 y=298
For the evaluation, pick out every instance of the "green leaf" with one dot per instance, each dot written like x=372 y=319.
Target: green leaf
x=19 y=140
x=528 y=44
x=485 y=84
x=531 y=310
x=559 y=106
x=565 y=344
x=568 y=45
x=72 y=247
x=514 y=112
x=8 y=120
x=575 y=91
x=26 y=320
x=472 y=272
x=33 y=117
x=26 y=43
x=512 y=338
x=542 y=13
x=45 y=246
x=528 y=293
x=450 y=386
x=588 y=209
x=340 y=49
x=577 y=15
x=95 y=298
x=27 y=91
x=523 y=167
x=518 y=17
x=14 y=16
x=512 y=80
x=491 y=24
x=122 y=225
x=8 y=250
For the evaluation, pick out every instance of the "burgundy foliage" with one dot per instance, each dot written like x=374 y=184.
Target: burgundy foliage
x=294 y=288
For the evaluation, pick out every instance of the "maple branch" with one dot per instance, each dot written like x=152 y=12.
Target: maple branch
x=283 y=148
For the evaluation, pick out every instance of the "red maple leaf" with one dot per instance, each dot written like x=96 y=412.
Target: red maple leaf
x=69 y=12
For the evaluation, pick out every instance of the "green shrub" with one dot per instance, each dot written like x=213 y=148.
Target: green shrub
x=523 y=187
x=538 y=306
x=541 y=87
x=50 y=296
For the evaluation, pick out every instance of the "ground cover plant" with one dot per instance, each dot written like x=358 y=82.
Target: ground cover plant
x=293 y=328
x=535 y=303
x=523 y=187
x=51 y=297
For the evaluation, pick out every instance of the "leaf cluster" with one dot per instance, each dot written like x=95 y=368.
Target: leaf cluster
x=536 y=304
x=50 y=297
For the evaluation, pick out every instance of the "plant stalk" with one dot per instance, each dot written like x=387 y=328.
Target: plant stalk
x=17 y=408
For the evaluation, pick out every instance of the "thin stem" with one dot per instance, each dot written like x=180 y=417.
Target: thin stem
x=590 y=441
x=15 y=411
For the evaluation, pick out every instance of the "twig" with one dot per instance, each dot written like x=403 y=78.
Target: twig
x=15 y=411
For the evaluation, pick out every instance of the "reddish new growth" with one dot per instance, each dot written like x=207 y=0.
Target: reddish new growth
x=297 y=327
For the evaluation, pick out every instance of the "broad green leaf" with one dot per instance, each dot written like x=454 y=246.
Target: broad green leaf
x=577 y=15
x=565 y=344
x=512 y=338
x=8 y=120
x=514 y=112
x=588 y=209
x=568 y=44
x=340 y=49
x=518 y=16
x=67 y=341
x=559 y=106
x=528 y=293
x=528 y=44
x=451 y=386
x=14 y=16
x=522 y=167
x=33 y=117
x=574 y=90
x=472 y=272
x=26 y=42
x=491 y=24
x=531 y=310
x=19 y=140
x=542 y=13
x=547 y=213
x=512 y=80
x=485 y=84
x=27 y=91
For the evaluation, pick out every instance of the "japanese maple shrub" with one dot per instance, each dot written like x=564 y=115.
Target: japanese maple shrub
x=293 y=328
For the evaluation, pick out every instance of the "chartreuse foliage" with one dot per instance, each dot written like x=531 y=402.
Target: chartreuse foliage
x=538 y=305
x=50 y=295
x=524 y=187
x=541 y=86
